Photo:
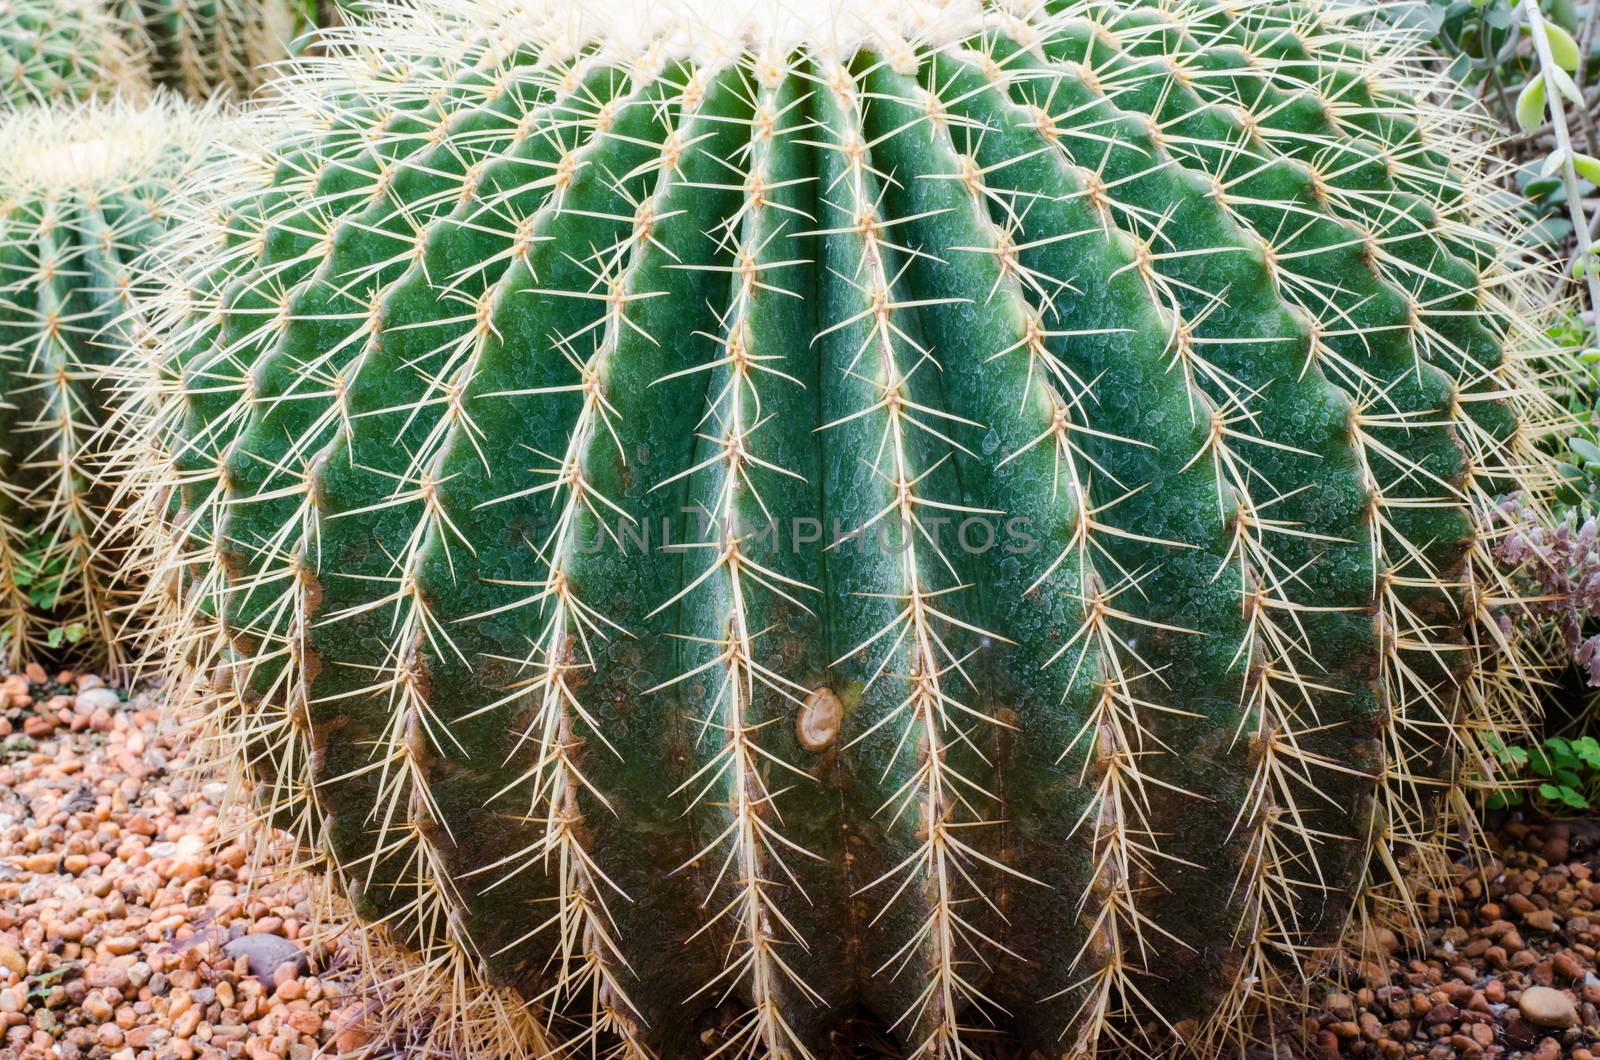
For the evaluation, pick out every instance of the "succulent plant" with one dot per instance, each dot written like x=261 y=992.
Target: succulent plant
x=59 y=50
x=82 y=189
x=199 y=47
x=715 y=524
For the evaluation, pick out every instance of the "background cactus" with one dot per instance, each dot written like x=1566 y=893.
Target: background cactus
x=1201 y=298
x=198 y=47
x=82 y=190
x=60 y=50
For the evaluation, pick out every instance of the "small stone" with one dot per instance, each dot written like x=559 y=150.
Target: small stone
x=1557 y=842
x=97 y=1008
x=93 y=699
x=1520 y=1034
x=305 y=1021
x=1443 y=1012
x=1566 y=967
x=43 y=864
x=12 y=961
x=1545 y=1007
x=359 y=1038
x=1540 y=919
x=265 y=953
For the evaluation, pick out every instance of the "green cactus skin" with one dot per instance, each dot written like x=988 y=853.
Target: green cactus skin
x=198 y=47
x=60 y=50
x=1203 y=294
x=82 y=192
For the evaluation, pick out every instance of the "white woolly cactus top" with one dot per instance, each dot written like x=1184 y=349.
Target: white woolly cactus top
x=97 y=143
x=709 y=31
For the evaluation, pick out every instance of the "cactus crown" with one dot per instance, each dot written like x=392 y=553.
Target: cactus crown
x=82 y=192
x=1205 y=295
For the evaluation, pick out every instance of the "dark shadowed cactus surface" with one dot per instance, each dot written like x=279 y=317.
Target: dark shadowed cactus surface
x=203 y=47
x=720 y=528
x=83 y=190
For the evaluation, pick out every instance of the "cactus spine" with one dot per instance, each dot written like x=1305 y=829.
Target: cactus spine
x=1190 y=311
x=82 y=191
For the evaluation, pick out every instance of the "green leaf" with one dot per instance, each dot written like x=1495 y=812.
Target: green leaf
x=1585 y=450
x=1563 y=49
x=1588 y=167
x=1565 y=86
x=75 y=632
x=1550 y=791
x=1574 y=799
x=1552 y=162
x=1519 y=755
x=1530 y=105
x=53 y=638
x=1544 y=186
x=1539 y=762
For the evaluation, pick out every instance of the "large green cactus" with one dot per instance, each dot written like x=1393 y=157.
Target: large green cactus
x=1166 y=344
x=200 y=47
x=82 y=192
x=60 y=50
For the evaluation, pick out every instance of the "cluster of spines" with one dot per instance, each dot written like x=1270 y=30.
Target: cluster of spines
x=60 y=51
x=1257 y=547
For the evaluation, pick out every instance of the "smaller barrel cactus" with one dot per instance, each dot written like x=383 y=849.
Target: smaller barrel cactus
x=60 y=50
x=199 y=47
x=82 y=189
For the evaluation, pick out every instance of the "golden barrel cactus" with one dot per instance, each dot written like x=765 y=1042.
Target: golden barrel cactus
x=715 y=524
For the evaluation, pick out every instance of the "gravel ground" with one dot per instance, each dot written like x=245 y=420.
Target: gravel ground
x=126 y=934
x=1507 y=968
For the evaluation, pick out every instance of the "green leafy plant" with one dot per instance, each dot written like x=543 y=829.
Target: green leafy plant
x=1559 y=777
